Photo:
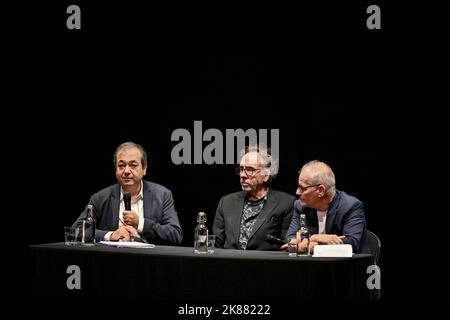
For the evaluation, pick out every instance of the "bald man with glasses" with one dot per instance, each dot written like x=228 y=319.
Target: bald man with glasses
x=332 y=216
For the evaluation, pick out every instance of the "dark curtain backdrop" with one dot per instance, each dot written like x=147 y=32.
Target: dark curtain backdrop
x=335 y=90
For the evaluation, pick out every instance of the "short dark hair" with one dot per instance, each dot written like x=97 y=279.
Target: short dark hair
x=130 y=144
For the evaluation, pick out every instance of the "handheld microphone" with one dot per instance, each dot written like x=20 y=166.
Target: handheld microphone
x=127 y=200
x=273 y=239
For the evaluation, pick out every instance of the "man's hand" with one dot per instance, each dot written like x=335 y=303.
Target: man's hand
x=302 y=246
x=284 y=246
x=126 y=233
x=327 y=239
x=131 y=218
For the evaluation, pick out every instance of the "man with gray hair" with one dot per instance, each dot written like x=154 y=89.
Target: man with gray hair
x=248 y=219
x=332 y=216
x=151 y=217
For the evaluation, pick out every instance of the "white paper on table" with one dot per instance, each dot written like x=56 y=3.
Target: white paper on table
x=127 y=244
x=333 y=250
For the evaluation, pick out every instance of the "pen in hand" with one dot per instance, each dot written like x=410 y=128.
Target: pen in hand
x=125 y=224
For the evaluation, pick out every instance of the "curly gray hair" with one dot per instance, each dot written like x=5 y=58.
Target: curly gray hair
x=269 y=164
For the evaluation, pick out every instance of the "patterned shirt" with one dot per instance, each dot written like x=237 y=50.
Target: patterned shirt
x=248 y=218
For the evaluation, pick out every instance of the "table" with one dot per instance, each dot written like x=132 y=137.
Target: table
x=168 y=273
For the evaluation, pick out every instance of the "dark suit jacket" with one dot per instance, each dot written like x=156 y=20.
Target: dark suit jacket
x=274 y=219
x=345 y=217
x=161 y=225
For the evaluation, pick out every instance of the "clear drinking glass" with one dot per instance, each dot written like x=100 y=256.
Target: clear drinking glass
x=71 y=236
x=211 y=243
x=292 y=247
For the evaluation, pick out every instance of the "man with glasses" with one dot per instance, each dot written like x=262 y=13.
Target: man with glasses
x=246 y=219
x=332 y=216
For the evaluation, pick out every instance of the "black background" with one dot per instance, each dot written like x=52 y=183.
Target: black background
x=365 y=101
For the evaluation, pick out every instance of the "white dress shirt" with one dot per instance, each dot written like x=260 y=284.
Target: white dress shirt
x=322 y=217
x=137 y=205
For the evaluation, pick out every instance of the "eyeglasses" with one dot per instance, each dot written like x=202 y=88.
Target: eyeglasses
x=249 y=171
x=303 y=189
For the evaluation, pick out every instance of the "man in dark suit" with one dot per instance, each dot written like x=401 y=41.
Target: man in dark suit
x=245 y=218
x=332 y=216
x=152 y=217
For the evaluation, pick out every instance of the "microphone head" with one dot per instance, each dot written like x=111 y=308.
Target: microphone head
x=127 y=200
x=273 y=239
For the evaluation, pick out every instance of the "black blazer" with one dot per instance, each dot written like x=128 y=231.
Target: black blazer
x=161 y=225
x=274 y=219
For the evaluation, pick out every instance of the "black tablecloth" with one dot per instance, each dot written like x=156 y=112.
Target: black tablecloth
x=168 y=273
